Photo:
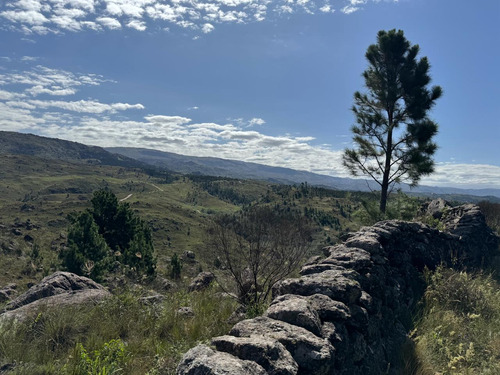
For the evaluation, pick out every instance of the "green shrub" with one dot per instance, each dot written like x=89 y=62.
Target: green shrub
x=111 y=359
x=175 y=267
x=87 y=252
x=109 y=228
x=459 y=331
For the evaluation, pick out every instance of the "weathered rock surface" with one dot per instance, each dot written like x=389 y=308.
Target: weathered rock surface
x=340 y=285
x=201 y=282
x=60 y=288
x=312 y=353
x=295 y=310
x=269 y=354
x=350 y=312
x=7 y=292
x=201 y=360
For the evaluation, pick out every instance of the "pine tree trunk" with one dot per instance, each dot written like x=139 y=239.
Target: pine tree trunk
x=387 y=169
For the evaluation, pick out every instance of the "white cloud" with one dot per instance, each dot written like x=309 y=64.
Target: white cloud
x=326 y=9
x=87 y=106
x=175 y=120
x=207 y=28
x=138 y=25
x=54 y=16
x=29 y=58
x=42 y=80
x=348 y=9
x=38 y=89
x=110 y=23
x=6 y=95
x=256 y=121
x=464 y=175
x=26 y=17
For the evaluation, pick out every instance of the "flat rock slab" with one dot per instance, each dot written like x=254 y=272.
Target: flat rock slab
x=296 y=310
x=349 y=257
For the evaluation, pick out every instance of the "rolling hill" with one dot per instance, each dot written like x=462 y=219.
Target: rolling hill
x=51 y=148
x=238 y=169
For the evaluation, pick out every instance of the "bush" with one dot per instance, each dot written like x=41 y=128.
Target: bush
x=257 y=248
x=459 y=331
x=109 y=360
x=175 y=267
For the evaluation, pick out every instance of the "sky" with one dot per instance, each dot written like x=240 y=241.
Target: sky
x=262 y=81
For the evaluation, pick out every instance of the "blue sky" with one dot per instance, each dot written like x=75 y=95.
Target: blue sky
x=255 y=80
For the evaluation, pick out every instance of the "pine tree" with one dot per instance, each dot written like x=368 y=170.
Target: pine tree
x=86 y=252
x=393 y=135
x=109 y=227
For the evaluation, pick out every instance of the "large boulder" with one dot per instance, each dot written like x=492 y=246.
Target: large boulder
x=201 y=282
x=60 y=288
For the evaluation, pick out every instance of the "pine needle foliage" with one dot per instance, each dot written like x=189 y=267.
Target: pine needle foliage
x=109 y=231
x=393 y=135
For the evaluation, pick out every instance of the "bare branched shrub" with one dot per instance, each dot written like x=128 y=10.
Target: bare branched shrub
x=257 y=248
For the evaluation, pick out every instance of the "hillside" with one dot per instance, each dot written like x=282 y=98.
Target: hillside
x=52 y=148
x=37 y=194
x=238 y=169
x=157 y=161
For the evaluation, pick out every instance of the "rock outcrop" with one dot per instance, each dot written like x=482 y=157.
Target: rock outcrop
x=60 y=288
x=201 y=282
x=350 y=312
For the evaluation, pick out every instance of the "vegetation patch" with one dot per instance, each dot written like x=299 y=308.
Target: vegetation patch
x=459 y=330
x=119 y=335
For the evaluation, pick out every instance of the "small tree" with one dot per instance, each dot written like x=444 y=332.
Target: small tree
x=86 y=252
x=115 y=226
x=175 y=267
x=104 y=210
x=140 y=252
x=259 y=247
x=393 y=137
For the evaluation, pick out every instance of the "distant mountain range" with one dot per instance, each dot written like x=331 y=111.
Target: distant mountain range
x=238 y=169
x=52 y=148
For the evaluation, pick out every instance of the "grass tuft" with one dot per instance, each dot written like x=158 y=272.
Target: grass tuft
x=459 y=331
x=120 y=334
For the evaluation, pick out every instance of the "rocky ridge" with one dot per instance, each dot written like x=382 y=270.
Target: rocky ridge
x=349 y=313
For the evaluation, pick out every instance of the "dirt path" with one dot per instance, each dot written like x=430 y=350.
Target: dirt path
x=124 y=199
x=157 y=187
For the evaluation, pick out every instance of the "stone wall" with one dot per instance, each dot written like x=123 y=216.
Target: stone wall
x=348 y=313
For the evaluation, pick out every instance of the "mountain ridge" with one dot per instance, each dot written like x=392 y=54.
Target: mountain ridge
x=129 y=157
x=248 y=170
x=54 y=148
